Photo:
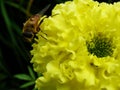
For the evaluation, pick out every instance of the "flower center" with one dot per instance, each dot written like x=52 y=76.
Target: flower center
x=100 y=46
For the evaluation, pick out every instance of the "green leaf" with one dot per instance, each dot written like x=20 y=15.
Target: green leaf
x=23 y=77
x=31 y=73
x=27 y=84
x=16 y=28
x=35 y=89
x=7 y=20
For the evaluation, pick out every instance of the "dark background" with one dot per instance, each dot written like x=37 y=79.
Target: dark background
x=14 y=51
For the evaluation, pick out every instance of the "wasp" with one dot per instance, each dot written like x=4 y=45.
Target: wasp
x=31 y=26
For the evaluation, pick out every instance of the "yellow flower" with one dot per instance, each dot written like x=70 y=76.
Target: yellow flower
x=78 y=47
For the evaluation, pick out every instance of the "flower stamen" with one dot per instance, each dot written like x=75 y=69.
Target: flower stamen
x=100 y=45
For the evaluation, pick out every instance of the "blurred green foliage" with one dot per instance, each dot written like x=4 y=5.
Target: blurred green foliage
x=16 y=72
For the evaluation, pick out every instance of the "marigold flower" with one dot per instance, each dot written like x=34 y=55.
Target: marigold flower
x=78 y=47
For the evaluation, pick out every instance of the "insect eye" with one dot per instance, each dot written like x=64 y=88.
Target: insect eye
x=28 y=34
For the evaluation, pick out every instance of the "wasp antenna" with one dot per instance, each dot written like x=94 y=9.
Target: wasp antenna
x=44 y=9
